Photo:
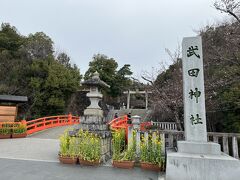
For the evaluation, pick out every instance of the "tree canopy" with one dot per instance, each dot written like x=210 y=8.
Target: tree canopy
x=118 y=79
x=28 y=67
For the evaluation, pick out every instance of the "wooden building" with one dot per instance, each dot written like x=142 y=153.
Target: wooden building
x=9 y=107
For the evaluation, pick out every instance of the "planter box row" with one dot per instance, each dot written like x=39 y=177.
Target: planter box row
x=117 y=164
x=130 y=165
x=8 y=136
x=70 y=160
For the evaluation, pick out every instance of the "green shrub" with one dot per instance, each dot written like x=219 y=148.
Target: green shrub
x=86 y=145
x=120 y=150
x=118 y=144
x=151 y=150
x=20 y=129
x=129 y=154
x=5 y=131
x=64 y=144
x=89 y=146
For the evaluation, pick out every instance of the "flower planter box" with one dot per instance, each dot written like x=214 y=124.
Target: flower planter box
x=150 y=166
x=123 y=164
x=68 y=160
x=23 y=135
x=89 y=163
x=5 y=136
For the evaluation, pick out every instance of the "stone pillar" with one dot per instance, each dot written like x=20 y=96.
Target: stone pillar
x=128 y=99
x=138 y=141
x=193 y=91
x=130 y=136
x=194 y=101
x=146 y=99
x=136 y=126
x=196 y=158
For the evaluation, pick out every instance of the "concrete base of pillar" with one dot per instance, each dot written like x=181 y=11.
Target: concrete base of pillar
x=185 y=166
x=198 y=147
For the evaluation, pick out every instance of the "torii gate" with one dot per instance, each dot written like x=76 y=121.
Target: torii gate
x=137 y=92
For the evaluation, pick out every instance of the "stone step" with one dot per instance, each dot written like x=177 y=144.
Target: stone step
x=143 y=113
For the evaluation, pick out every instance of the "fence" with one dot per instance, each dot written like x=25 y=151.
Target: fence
x=145 y=135
x=228 y=141
x=50 y=122
x=165 y=125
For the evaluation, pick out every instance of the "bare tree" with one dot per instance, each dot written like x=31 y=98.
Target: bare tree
x=221 y=71
x=166 y=98
x=231 y=7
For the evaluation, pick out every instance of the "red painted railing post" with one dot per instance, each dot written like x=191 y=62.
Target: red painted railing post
x=24 y=122
x=44 y=122
x=58 y=120
x=69 y=118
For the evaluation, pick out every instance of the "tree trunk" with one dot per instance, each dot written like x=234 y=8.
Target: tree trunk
x=178 y=122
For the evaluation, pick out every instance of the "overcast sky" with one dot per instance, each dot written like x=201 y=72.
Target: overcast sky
x=133 y=32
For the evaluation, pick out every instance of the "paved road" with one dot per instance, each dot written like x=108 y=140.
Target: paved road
x=32 y=170
x=51 y=133
x=30 y=149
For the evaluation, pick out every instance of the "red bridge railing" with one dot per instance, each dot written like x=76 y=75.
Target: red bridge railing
x=50 y=122
x=121 y=123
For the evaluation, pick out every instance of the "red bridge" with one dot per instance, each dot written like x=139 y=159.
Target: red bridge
x=121 y=123
x=44 y=123
x=50 y=122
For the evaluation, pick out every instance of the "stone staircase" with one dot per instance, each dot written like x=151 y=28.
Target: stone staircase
x=143 y=113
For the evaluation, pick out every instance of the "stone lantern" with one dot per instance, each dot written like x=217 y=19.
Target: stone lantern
x=93 y=120
x=136 y=122
x=94 y=84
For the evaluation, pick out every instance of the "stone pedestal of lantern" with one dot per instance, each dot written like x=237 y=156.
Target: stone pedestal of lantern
x=134 y=126
x=196 y=158
x=93 y=119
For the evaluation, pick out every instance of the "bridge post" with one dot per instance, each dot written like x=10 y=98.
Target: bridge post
x=69 y=118
x=58 y=122
x=44 y=122
x=24 y=122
